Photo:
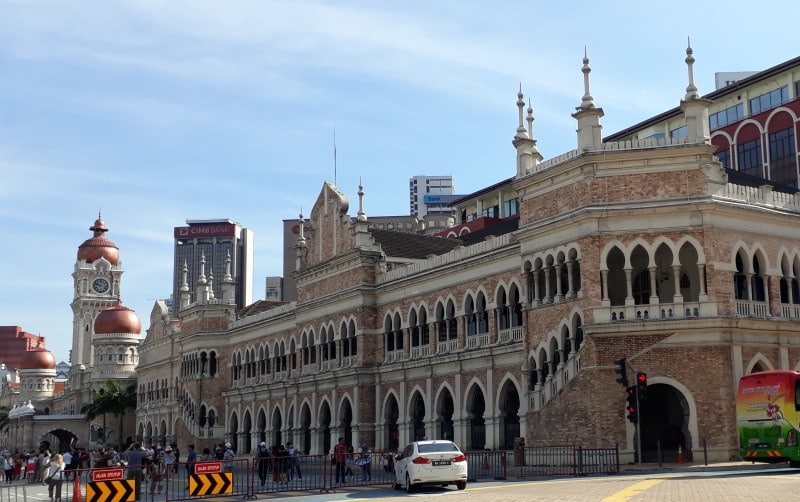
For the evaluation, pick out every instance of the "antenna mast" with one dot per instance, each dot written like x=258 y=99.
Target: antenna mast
x=334 y=155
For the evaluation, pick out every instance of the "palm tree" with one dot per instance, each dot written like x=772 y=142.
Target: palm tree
x=112 y=398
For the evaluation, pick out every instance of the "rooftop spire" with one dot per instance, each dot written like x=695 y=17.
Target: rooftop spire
x=301 y=238
x=530 y=119
x=362 y=216
x=587 y=102
x=691 y=89
x=202 y=278
x=521 y=133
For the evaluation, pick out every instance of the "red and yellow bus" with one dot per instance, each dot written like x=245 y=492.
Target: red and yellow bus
x=768 y=416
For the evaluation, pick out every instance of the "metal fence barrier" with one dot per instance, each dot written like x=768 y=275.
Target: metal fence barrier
x=535 y=461
x=253 y=477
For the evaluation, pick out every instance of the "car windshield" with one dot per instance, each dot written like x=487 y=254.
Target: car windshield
x=437 y=447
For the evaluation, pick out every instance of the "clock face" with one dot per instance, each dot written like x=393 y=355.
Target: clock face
x=100 y=285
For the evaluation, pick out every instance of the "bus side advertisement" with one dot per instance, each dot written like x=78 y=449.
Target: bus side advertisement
x=767 y=416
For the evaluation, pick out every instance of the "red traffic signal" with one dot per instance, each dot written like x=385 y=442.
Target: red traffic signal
x=641 y=384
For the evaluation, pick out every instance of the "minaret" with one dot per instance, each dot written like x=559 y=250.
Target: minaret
x=185 y=292
x=228 y=286
x=695 y=108
x=301 y=244
x=528 y=155
x=363 y=237
x=588 y=115
x=201 y=288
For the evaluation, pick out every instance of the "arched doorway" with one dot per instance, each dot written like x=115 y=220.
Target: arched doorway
x=664 y=421
x=234 y=432
x=277 y=425
x=247 y=426
x=58 y=440
x=325 y=428
x=417 y=417
x=346 y=423
x=391 y=415
x=509 y=412
x=476 y=406
x=261 y=424
x=445 y=411
x=305 y=429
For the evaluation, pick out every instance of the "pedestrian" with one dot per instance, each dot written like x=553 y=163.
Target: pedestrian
x=191 y=459
x=169 y=459
x=227 y=458
x=294 y=461
x=55 y=477
x=350 y=461
x=262 y=462
x=339 y=459
x=8 y=466
x=44 y=465
x=177 y=457
x=135 y=455
x=156 y=471
x=283 y=456
x=365 y=461
x=206 y=456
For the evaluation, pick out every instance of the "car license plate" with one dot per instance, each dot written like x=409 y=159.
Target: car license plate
x=441 y=462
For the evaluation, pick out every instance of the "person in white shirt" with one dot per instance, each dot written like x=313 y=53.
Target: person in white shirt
x=55 y=477
x=67 y=456
x=44 y=464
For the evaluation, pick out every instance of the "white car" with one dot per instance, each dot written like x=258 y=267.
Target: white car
x=438 y=462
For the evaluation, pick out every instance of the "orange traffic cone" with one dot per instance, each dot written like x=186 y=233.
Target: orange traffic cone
x=679 y=459
x=485 y=463
x=76 y=490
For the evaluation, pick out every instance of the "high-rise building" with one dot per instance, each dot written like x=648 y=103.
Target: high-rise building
x=274 y=289
x=430 y=194
x=215 y=241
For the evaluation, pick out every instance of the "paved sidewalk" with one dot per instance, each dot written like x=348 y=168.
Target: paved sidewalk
x=699 y=467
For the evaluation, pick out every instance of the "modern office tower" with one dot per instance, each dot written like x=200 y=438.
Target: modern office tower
x=430 y=194
x=274 y=289
x=214 y=241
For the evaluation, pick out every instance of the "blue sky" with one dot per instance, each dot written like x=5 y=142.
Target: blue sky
x=162 y=111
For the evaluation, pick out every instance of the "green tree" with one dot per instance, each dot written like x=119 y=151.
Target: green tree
x=114 y=398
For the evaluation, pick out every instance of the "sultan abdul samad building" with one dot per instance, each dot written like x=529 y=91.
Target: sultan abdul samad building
x=674 y=244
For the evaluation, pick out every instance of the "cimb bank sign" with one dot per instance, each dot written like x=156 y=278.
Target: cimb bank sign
x=214 y=230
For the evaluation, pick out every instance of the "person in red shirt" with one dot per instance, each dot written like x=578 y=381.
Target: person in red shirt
x=340 y=459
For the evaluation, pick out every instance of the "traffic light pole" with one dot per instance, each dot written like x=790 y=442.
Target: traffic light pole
x=638 y=428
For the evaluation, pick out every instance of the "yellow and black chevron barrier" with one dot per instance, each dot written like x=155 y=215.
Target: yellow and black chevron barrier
x=210 y=484
x=122 y=490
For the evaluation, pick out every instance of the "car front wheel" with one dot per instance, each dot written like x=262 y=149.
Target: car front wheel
x=409 y=486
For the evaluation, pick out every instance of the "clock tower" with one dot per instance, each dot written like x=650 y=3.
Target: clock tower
x=96 y=280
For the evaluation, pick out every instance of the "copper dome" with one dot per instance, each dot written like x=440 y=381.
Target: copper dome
x=98 y=246
x=38 y=358
x=119 y=319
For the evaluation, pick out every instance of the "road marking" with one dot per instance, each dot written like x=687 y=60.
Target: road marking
x=633 y=490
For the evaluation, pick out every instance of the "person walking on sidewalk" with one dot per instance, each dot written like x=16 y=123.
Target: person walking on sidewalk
x=55 y=477
x=294 y=462
x=262 y=462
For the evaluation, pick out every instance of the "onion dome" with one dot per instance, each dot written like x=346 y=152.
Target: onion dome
x=98 y=246
x=38 y=358
x=119 y=319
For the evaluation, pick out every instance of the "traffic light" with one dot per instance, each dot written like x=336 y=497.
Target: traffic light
x=622 y=371
x=633 y=410
x=641 y=384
